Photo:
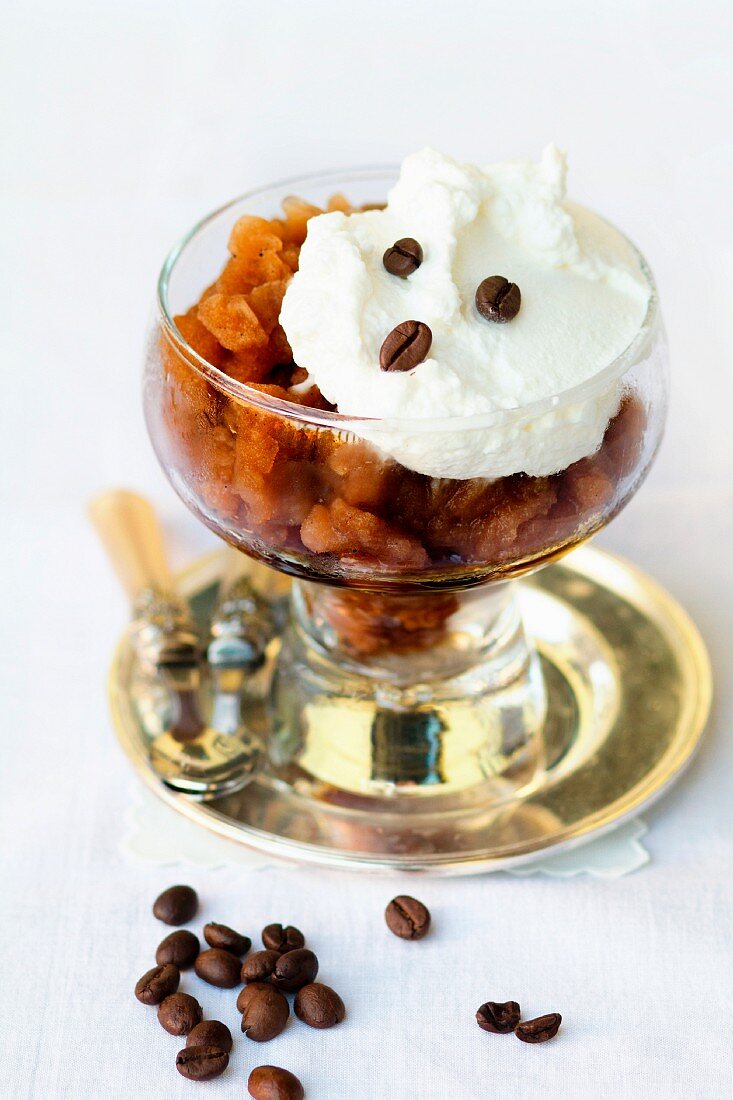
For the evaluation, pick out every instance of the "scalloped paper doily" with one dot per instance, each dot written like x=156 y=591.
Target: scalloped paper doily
x=155 y=833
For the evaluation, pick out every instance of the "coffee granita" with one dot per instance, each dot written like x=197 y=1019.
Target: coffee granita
x=412 y=395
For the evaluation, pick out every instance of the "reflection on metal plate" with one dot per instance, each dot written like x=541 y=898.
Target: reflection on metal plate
x=629 y=688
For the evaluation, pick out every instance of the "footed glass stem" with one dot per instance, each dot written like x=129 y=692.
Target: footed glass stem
x=408 y=695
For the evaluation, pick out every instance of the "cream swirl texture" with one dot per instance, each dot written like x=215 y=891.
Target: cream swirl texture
x=584 y=298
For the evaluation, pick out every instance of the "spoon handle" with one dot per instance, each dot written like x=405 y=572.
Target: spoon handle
x=188 y=755
x=162 y=630
x=131 y=535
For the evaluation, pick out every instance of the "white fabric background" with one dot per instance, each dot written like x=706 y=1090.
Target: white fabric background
x=124 y=122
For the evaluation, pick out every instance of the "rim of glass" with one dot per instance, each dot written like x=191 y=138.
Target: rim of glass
x=240 y=391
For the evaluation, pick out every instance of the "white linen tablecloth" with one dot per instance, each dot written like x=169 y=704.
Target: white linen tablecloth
x=124 y=122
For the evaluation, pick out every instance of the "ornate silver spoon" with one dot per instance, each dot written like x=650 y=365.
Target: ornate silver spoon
x=190 y=755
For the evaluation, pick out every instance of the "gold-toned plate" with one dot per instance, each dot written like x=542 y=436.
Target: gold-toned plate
x=629 y=691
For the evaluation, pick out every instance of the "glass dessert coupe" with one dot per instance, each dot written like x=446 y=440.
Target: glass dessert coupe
x=404 y=687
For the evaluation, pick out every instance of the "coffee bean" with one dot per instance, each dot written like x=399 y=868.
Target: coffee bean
x=406 y=346
x=210 y=1033
x=218 y=967
x=277 y=938
x=265 y=1015
x=497 y=299
x=319 y=1006
x=407 y=918
x=157 y=984
x=176 y=905
x=404 y=257
x=179 y=1013
x=273 y=1083
x=295 y=969
x=219 y=935
x=499 y=1017
x=540 y=1029
x=260 y=966
x=201 y=1063
x=245 y=995
x=179 y=948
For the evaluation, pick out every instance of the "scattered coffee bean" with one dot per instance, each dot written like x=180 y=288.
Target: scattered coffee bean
x=273 y=1083
x=179 y=948
x=201 y=1063
x=407 y=918
x=260 y=966
x=179 y=1013
x=211 y=1033
x=404 y=257
x=540 y=1029
x=218 y=967
x=497 y=299
x=295 y=969
x=265 y=1014
x=219 y=935
x=319 y=1006
x=176 y=905
x=406 y=346
x=277 y=938
x=157 y=984
x=499 y=1017
x=245 y=995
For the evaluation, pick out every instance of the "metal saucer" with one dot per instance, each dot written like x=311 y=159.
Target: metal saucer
x=629 y=689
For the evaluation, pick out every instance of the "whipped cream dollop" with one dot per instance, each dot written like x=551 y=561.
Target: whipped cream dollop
x=584 y=298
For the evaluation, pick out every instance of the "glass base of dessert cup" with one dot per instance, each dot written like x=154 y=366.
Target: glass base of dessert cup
x=628 y=690
x=380 y=714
